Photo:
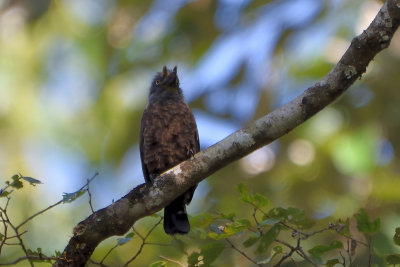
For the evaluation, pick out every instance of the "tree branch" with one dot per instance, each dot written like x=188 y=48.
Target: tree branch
x=144 y=200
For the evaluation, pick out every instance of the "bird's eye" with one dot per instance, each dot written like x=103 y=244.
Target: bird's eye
x=177 y=82
x=157 y=82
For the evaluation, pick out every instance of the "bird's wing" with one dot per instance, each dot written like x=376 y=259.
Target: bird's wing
x=142 y=129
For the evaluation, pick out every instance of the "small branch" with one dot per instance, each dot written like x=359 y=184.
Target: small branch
x=55 y=204
x=98 y=263
x=241 y=252
x=5 y=231
x=143 y=242
x=108 y=253
x=17 y=235
x=38 y=213
x=90 y=196
x=173 y=261
x=30 y=258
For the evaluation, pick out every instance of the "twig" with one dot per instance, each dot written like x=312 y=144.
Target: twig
x=98 y=263
x=30 y=258
x=55 y=204
x=90 y=195
x=108 y=253
x=38 y=213
x=171 y=260
x=305 y=256
x=18 y=236
x=143 y=242
x=5 y=231
x=343 y=258
x=241 y=252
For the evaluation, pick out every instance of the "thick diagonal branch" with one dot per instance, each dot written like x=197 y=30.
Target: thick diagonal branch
x=144 y=200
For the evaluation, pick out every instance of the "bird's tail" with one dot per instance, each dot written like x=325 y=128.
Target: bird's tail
x=175 y=217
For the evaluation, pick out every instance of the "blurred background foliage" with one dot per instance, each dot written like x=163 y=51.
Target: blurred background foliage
x=74 y=79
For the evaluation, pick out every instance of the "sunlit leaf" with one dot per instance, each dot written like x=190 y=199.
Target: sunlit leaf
x=69 y=197
x=31 y=180
x=220 y=232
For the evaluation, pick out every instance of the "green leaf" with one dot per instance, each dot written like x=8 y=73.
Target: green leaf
x=365 y=225
x=57 y=253
x=1 y=237
x=229 y=216
x=245 y=197
x=317 y=251
x=393 y=259
x=211 y=251
x=269 y=222
x=275 y=251
x=220 y=232
x=278 y=249
x=253 y=238
x=16 y=183
x=260 y=201
x=201 y=220
x=256 y=200
x=396 y=237
x=4 y=193
x=193 y=259
x=268 y=238
x=31 y=180
x=158 y=264
x=332 y=262
x=69 y=197
x=196 y=232
x=291 y=215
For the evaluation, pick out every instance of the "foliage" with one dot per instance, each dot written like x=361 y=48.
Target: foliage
x=74 y=79
x=269 y=236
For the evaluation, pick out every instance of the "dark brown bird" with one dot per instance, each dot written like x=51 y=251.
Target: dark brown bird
x=168 y=136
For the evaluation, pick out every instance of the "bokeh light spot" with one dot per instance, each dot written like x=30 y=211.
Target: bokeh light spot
x=259 y=161
x=301 y=152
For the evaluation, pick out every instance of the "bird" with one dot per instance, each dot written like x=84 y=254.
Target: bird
x=168 y=136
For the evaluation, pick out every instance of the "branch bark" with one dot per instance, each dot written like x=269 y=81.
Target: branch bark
x=117 y=218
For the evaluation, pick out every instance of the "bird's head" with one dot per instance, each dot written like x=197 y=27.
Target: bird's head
x=166 y=83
